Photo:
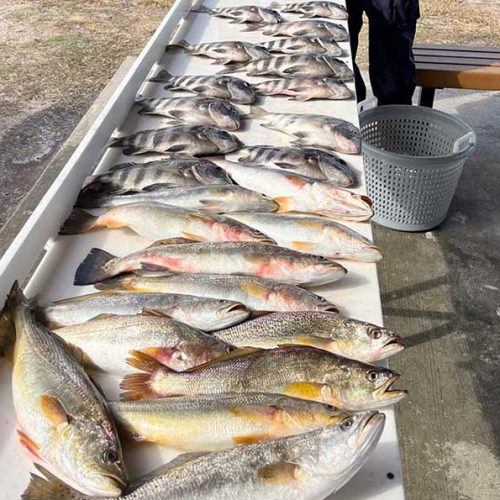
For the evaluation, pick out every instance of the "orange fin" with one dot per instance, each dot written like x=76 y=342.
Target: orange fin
x=29 y=444
x=192 y=237
x=164 y=355
x=255 y=290
x=280 y=473
x=284 y=203
x=318 y=342
x=296 y=181
x=53 y=410
x=154 y=312
x=303 y=245
x=305 y=390
x=251 y=438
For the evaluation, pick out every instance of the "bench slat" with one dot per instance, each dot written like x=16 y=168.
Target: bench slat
x=463 y=48
x=455 y=77
x=457 y=61
x=442 y=54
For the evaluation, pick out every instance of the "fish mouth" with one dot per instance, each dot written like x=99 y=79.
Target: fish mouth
x=117 y=484
x=385 y=395
x=235 y=308
x=329 y=308
x=369 y=424
x=393 y=346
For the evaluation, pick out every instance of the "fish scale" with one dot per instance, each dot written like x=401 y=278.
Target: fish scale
x=320 y=8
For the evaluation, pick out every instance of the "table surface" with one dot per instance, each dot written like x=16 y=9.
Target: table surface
x=357 y=295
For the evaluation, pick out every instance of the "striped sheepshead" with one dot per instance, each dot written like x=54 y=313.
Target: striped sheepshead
x=211 y=111
x=243 y=14
x=310 y=234
x=314 y=163
x=129 y=178
x=308 y=466
x=305 y=88
x=289 y=66
x=305 y=28
x=157 y=221
x=313 y=130
x=331 y=332
x=304 y=45
x=225 y=52
x=105 y=342
x=317 y=8
x=189 y=140
x=242 y=258
x=257 y=294
x=218 y=422
x=297 y=371
x=226 y=87
x=198 y=312
x=298 y=193
x=213 y=199
x=63 y=420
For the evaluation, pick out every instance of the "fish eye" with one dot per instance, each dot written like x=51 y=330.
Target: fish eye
x=346 y=424
x=372 y=376
x=374 y=333
x=111 y=456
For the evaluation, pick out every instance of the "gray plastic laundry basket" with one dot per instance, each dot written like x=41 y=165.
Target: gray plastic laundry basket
x=413 y=159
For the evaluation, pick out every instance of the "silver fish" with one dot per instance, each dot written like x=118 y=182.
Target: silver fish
x=316 y=235
x=318 y=8
x=189 y=140
x=314 y=163
x=104 y=342
x=313 y=130
x=294 y=66
x=213 y=199
x=225 y=52
x=304 y=45
x=305 y=28
x=298 y=193
x=309 y=466
x=136 y=177
x=334 y=333
x=257 y=294
x=226 y=87
x=210 y=111
x=244 y=258
x=197 y=312
x=244 y=14
x=305 y=88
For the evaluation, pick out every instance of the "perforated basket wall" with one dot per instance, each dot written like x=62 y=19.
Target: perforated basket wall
x=411 y=169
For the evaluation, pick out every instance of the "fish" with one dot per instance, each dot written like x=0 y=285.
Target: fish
x=314 y=163
x=257 y=294
x=315 y=235
x=63 y=420
x=226 y=87
x=224 y=52
x=217 y=199
x=297 y=371
x=105 y=342
x=198 y=312
x=242 y=258
x=304 y=28
x=295 y=65
x=156 y=221
x=322 y=131
x=190 y=140
x=304 y=45
x=128 y=178
x=331 y=332
x=221 y=421
x=299 y=193
x=319 y=8
x=211 y=111
x=244 y=14
x=306 y=88
x=307 y=466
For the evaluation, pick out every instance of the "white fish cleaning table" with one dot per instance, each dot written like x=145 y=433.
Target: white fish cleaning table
x=357 y=295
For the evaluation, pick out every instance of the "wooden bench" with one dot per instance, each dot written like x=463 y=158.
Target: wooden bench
x=455 y=67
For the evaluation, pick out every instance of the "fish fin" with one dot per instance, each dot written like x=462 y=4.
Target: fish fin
x=258 y=314
x=323 y=343
x=300 y=98
x=170 y=241
x=29 y=444
x=157 y=187
x=200 y=89
x=279 y=473
x=285 y=165
x=253 y=27
x=134 y=151
x=236 y=353
x=303 y=245
x=164 y=355
x=91 y=270
x=232 y=68
x=53 y=410
x=212 y=205
x=102 y=316
x=251 y=438
x=121 y=166
x=301 y=33
x=192 y=236
x=145 y=311
x=183 y=44
x=49 y=486
x=255 y=290
x=112 y=284
x=15 y=299
x=284 y=203
x=116 y=142
x=79 y=222
x=151 y=267
x=90 y=198
x=163 y=76
x=304 y=390
x=177 y=148
x=256 y=112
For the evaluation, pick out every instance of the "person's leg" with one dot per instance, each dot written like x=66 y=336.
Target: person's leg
x=355 y=22
x=392 y=65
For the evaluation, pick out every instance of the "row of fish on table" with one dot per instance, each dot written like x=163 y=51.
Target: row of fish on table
x=223 y=350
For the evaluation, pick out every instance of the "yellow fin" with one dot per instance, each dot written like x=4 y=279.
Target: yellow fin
x=309 y=224
x=170 y=241
x=284 y=203
x=192 y=236
x=102 y=316
x=304 y=390
x=255 y=290
x=28 y=443
x=303 y=245
x=236 y=353
x=280 y=473
x=53 y=410
x=296 y=181
x=154 y=312
x=251 y=438
x=318 y=342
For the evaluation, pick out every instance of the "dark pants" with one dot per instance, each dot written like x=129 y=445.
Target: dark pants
x=391 y=34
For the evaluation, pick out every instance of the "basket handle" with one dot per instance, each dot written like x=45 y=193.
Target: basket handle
x=468 y=139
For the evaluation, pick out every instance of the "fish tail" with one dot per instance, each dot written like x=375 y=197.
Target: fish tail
x=202 y=9
x=15 y=299
x=117 y=142
x=256 y=112
x=183 y=44
x=91 y=198
x=163 y=77
x=78 y=222
x=49 y=486
x=92 y=269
